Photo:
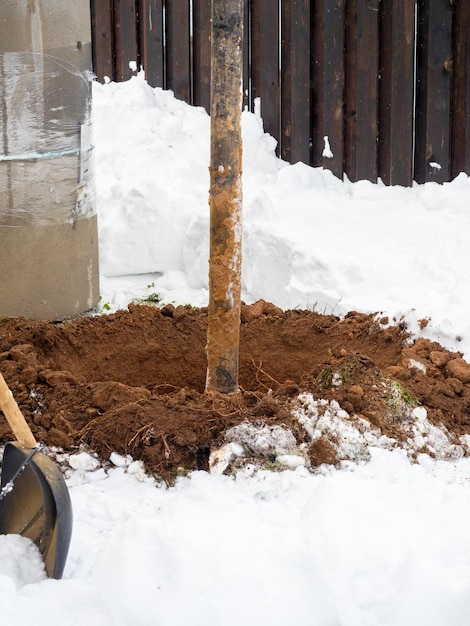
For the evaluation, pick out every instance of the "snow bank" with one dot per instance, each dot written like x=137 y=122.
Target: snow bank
x=310 y=240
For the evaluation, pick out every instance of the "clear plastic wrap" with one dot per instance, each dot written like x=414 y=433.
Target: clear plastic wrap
x=46 y=151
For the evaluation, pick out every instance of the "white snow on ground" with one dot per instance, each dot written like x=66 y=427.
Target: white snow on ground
x=377 y=540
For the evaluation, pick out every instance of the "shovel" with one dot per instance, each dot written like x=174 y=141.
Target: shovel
x=34 y=500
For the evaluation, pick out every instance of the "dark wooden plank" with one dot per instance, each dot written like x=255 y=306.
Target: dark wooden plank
x=295 y=80
x=265 y=63
x=247 y=100
x=397 y=40
x=178 y=55
x=126 y=39
x=102 y=38
x=286 y=80
x=202 y=53
x=151 y=41
x=334 y=85
x=350 y=89
x=361 y=89
x=460 y=134
x=328 y=84
x=433 y=93
x=317 y=81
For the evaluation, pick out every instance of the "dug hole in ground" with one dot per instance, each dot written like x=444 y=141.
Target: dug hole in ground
x=314 y=389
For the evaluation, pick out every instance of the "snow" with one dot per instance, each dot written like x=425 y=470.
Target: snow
x=378 y=540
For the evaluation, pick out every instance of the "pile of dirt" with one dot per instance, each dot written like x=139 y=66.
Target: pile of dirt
x=133 y=382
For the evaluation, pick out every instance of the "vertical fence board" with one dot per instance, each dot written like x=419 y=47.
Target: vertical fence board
x=265 y=70
x=202 y=53
x=433 y=94
x=328 y=84
x=247 y=97
x=461 y=89
x=361 y=91
x=334 y=85
x=317 y=30
x=126 y=40
x=286 y=81
x=102 y=38
x=295 y=81
x=151 y=41
x=397 y=40
x=350 y=89
x=178 y=55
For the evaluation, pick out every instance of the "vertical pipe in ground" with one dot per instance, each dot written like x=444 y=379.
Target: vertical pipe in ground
x=225 y=196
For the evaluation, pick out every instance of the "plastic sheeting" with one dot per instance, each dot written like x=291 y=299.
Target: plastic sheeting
x=46 y=151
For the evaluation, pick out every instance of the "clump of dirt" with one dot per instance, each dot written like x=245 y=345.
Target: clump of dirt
x=133 y=382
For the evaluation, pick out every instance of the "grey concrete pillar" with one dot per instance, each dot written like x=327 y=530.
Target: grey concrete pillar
x=48 y=225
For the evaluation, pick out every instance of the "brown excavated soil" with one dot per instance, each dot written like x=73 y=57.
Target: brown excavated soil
x=133 y=382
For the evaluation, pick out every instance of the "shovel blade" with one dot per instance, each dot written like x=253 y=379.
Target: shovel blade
x=38 y=506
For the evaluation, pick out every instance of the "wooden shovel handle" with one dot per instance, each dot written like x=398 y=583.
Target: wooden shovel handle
x=14 y=417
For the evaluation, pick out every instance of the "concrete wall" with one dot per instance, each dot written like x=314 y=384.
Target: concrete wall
x=46 y=25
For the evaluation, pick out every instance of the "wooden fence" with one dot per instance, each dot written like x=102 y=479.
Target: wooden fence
x=387 y=82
